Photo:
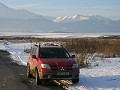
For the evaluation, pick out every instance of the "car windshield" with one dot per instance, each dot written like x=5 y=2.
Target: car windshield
x=54 y=53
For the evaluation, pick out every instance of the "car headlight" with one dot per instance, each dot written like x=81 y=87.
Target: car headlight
x=45 y=66
x=75 y=66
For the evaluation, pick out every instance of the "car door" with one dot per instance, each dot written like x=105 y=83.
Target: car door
x=34 y=58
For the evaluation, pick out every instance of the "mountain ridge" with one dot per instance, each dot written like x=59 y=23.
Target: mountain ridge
x=25 y=21
x=76 y=18
x=6 y=12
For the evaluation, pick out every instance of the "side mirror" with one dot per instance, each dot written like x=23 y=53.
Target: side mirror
x=73 y=56
x=27 y=50
x=33 y=56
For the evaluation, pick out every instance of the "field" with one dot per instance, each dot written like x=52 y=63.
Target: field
x=98 y=57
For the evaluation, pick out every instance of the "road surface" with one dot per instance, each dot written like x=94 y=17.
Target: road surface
x=13 y=76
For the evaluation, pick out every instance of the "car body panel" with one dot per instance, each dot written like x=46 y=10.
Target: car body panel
x=60 y=68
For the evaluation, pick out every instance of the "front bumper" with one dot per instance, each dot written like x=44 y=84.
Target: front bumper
x=54 y=76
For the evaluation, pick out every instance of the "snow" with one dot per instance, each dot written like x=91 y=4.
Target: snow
x=57 y=19
x=16 y=50
x=104 y=73
x=106 y=76
x=76 y=18
x=56 y=35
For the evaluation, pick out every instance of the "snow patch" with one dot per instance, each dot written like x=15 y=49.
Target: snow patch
x=16 y=50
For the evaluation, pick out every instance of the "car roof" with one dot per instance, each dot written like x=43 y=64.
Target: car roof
x=36 y=46
x=51 y=47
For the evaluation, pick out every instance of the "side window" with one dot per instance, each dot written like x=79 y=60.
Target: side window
x=34 y=51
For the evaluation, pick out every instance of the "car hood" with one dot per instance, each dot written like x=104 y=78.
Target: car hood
x=58 y=61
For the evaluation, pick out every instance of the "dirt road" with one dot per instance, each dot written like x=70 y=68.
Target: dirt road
x=13 y=76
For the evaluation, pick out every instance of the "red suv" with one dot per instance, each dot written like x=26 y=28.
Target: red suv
x=51 y=62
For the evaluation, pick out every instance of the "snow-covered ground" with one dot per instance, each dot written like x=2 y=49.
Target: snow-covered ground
x=104 y=74
x=57 y=35
x=16 y=50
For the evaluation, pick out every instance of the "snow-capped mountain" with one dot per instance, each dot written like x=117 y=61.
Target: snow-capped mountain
x=76 y=18
x=22 y=20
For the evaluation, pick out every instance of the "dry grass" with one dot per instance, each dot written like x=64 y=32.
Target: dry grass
x=109 y=46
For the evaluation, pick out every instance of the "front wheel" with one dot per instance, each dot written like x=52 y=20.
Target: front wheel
x=75 y=80
x=37 y=79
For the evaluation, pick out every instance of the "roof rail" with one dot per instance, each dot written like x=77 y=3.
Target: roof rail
x=52 y=44
x=47 y=44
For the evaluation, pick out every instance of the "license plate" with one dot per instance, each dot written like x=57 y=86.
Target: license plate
x=63 y=73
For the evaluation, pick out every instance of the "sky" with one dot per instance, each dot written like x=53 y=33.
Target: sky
x=106 y=8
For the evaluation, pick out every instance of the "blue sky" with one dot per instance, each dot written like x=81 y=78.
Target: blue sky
x=107 y=8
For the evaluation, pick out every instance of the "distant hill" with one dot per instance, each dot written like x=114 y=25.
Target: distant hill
x=24 y=21
x=6 y=12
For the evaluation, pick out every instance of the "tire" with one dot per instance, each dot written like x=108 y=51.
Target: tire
x=28 y=72
x=75 y=80
x=37 y=79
